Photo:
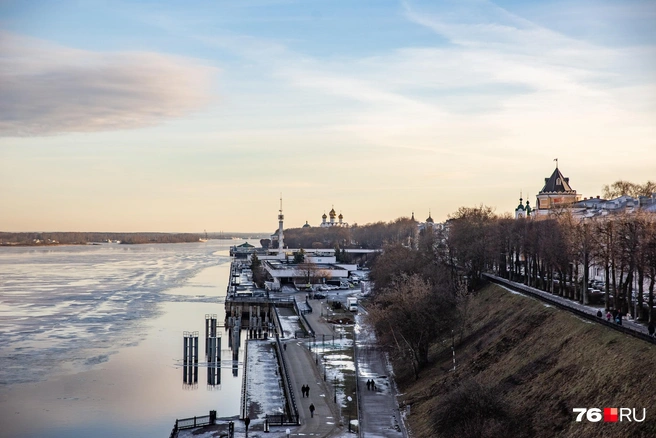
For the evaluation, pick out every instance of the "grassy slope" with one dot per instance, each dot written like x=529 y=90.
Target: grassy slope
x=542 y=362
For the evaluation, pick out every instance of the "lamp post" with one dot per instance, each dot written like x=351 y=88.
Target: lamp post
x=350 y=400
x=335 y=399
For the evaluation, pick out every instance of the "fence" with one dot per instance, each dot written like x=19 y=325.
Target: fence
x=303 y=319
x=282 y=420
x=539 y=295
x=292 y=409
x=358 y=395
x=244 y=392
x=190 y=423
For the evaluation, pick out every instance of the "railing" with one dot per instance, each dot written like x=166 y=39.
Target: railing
x=283 y=302
x=282 y=420
x=190 y=423
x=358 y=395
x=303 y=319
x=244 y=392
x=277 y=321
x=528 y=291
x=292 y=410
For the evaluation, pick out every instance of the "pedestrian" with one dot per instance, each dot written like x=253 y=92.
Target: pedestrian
x=311 y=410
x=608 y=316
x=303 y=390
x=284 y=346
x=368 y=385
x=650 y=329
x=598 y=313
x=307 y=390
x=373 y=385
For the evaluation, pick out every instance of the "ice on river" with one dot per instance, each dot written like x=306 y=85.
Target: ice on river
x=66 y=308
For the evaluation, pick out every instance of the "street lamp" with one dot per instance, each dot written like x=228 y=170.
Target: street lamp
x=350 y=400
x=335 y=389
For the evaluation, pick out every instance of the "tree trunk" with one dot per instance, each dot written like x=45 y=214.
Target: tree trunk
x=607 y=285
x=586 y=269
x=628 y=293
x=576 y=283
x=641 y=300
x=651 y=295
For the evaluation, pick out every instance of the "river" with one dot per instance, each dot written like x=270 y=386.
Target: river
x=91 y=338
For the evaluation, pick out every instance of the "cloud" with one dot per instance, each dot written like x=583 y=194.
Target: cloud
x=49 y=89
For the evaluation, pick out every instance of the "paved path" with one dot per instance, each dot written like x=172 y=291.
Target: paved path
x=302 y=371
x=565 y=302
x=379 y=409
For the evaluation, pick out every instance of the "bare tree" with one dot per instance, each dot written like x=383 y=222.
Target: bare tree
x=410 y=315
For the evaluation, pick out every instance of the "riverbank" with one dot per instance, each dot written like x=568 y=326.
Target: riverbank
x=532 y=364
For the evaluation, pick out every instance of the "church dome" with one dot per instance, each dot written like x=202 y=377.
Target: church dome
x=306 y=225
x=332 y=213
x=341 y=216
x=429 y=219
x=324 y=216
x=521 y=206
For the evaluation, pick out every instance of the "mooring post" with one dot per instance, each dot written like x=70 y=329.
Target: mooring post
x=196 y=357
x=207 y=332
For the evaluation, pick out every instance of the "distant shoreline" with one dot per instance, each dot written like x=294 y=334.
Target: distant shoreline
x=40 y=239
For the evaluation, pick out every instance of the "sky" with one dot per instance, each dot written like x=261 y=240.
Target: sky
x=184 y=116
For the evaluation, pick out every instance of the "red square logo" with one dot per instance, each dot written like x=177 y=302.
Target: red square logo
x=610 y=415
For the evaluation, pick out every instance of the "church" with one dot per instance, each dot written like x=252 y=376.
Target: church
x=556 y=194
x=332 y=222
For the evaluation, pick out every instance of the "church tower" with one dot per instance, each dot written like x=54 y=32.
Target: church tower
x=280 y=236
x=520 y=212
x=556 y=193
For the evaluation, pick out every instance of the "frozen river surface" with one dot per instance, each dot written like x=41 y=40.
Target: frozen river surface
x=91 y=338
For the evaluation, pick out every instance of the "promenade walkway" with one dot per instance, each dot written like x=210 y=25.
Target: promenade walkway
x=379 y=408
x=302 y=370
x=628 y=325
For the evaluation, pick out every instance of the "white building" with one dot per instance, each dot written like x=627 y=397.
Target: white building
x=332 y=222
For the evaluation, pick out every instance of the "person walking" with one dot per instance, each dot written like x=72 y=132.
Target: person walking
x=307 y=390
x=368 y=384
x=651 y=329
x=311 y=410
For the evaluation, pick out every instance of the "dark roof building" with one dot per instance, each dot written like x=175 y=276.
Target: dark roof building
x=556 y=193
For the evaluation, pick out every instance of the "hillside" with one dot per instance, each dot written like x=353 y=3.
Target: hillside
x=521 y=368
